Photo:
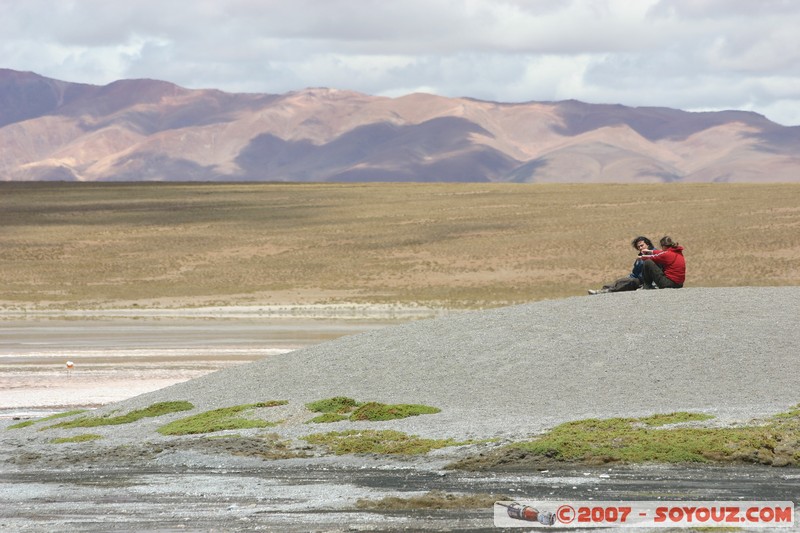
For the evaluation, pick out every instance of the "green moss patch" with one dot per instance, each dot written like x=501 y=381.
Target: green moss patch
x=789 y=416
x=374 y=411
x=46 y=418
x=226 y=418
x=77 y=438
x=671 y=418
x=337 y=404
x=343 y=408
x=432 y=500
x=775 y=442
x=380 y=442
x=155 y=410
x=326 y=418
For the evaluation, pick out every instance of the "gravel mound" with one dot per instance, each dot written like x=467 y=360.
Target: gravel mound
x=516 y=371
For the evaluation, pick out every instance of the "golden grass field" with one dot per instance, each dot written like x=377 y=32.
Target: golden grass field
x=74 y=245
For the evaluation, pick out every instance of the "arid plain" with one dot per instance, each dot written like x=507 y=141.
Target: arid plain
x=157 y=245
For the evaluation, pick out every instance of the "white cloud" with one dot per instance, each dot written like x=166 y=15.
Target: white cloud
x=689 y=54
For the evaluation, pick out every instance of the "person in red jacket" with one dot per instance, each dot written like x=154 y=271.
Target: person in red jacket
x=665 y=267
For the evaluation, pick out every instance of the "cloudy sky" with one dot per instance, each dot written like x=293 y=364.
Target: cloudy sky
x=686 y=54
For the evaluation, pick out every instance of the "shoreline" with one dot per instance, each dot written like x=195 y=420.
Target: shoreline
x=346 y=311
x=117 y=354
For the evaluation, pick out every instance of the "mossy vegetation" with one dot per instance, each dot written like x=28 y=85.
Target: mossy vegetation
x=326 y=418
x=432 y=500
x=667 y=419
x=374 y=411
x=155 y=410
x=377 y=442
x=775 y=441
x=343 y=408
x=226 y=418
x=337 y=404
x=28 y=423
x=86 y=437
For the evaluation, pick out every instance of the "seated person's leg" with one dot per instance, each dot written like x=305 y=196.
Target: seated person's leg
x=653 y=273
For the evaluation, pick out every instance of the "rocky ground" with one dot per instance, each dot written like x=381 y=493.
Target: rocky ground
x=497 y=376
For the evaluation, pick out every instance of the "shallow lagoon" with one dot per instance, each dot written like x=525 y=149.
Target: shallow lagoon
x=118 y=358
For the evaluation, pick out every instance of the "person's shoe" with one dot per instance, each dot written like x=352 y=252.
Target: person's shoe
x=598 y=291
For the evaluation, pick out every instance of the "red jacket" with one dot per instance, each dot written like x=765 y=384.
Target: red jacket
x=672 y=261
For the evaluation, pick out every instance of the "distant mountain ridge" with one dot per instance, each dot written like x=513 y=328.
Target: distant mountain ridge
x=148 y=130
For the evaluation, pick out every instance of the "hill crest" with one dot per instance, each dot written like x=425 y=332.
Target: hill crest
x=151 y=130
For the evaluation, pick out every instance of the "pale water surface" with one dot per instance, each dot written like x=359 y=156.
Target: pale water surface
x=117 y=358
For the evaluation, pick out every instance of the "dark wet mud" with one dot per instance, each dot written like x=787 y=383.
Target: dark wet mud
x=307 y=495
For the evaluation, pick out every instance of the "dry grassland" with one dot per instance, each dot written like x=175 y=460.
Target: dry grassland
x=70 y=245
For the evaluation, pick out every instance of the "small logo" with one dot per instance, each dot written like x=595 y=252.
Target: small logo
x=565 y=514
x=517 y=511
x=667 y=514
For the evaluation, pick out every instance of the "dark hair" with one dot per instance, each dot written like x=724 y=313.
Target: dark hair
x=667 y=242
x=641 y=238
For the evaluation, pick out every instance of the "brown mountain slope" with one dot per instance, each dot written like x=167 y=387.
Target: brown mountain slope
x=154 y=130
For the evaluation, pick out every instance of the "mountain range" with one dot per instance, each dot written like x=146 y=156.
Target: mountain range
x=150 y=130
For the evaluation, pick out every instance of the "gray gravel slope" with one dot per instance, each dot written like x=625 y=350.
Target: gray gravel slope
x=514 y=371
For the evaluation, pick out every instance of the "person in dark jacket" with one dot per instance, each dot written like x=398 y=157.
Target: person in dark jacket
x=632 y=281
x=666 y=268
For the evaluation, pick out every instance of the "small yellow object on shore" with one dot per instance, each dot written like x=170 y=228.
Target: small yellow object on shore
x=70 y=365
